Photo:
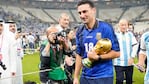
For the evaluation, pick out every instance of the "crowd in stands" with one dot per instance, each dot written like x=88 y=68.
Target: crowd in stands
x=65 y=0
x=27 y=25
x=62 y=51
x=30 y=24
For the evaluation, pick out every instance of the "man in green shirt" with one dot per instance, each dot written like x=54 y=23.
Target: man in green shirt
x=53 y=51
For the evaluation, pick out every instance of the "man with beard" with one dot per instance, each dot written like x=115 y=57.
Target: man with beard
x=7 y=55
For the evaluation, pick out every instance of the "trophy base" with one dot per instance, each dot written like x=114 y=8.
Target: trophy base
x=86 y=62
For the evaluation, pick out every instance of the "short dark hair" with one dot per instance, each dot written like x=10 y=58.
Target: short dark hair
x=86 y=2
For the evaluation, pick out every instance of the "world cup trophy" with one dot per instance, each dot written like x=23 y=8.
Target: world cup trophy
x=102 y=46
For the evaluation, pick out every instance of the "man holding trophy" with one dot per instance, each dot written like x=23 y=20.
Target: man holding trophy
x=96 y=45
x=102 y=46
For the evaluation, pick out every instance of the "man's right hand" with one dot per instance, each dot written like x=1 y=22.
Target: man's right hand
x=141 y=67
x=75 y=81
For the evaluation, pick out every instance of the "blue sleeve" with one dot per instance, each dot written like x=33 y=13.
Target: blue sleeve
x=112 y=36
x=78 y=46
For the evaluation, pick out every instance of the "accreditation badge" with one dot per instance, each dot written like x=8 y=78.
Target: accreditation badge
x=98 y=35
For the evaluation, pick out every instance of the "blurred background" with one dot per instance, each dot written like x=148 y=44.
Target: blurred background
x=37 y=15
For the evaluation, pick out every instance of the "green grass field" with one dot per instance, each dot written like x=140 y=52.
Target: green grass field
x=31 y=62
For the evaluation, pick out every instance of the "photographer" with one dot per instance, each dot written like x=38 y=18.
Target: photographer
x=54 y=52
x=70 y=54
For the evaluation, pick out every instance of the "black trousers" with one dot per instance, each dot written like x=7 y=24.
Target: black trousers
x=124 y=72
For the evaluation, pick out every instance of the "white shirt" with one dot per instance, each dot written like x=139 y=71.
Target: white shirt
x=31 y=39
x=127 y=43
x=145 y=50
x=59 y=28
x=8 y=50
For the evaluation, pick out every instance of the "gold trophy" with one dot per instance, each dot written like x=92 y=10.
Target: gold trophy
x=102 y=46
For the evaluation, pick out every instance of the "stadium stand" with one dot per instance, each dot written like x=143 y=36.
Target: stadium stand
x=36 y=15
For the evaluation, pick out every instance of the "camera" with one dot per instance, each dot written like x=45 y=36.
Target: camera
x=61 y=34
x=19 y=30
x=70 y=53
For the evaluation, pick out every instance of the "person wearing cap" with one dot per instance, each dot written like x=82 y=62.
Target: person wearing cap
x=7 y=55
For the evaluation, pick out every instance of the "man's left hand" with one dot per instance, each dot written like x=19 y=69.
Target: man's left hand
x=130 y=61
